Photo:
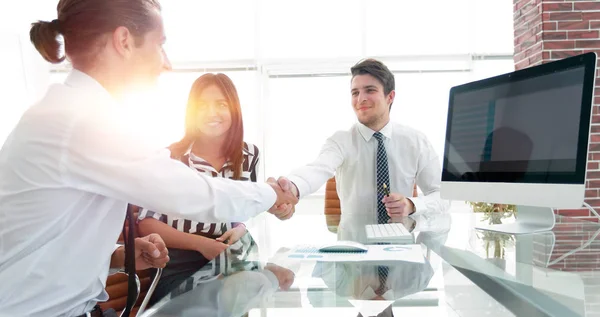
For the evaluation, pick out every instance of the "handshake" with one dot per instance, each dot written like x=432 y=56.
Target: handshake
x=287 y=197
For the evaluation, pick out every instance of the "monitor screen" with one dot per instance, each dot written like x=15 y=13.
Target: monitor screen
x=529 y=126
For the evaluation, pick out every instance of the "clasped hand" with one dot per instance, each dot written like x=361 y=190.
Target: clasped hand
x=287 y=197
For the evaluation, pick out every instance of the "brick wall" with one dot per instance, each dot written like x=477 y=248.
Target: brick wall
x=544 y=31
x=585 y=263
x=547 y=30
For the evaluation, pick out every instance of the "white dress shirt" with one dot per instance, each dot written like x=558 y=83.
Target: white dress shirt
x=350 y=156
x=67 y=172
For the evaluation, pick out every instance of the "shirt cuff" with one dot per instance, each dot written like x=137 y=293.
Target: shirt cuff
x=418 y=203
x=112 y=271
x=302 y=185
x=268 y=197
x=272 y=278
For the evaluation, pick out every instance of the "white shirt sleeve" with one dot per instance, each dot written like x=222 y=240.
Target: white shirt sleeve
x=311 y=177
x=111 y=270
x=429 y=180
x=102 y=156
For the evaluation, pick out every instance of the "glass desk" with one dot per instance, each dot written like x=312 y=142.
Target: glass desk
x=463 y=272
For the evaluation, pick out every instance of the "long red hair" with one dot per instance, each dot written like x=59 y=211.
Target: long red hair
x=235 y=136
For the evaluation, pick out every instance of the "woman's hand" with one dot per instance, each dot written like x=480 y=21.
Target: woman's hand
x=233 y=235
x=210 y=248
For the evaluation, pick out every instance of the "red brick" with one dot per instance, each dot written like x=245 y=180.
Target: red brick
x=546 y=55
x=591 y=193
x=527 y=8
x=561 y=228
x=583 y=266
x=565 y=16
x=522 y=64
x=591 y=219
x=587 y=44
x=526 y=37
x=587 y=6
x=593 y=165
x=557 y=266
x=593 y=175
x=556 y=6
x=549 y=26
x=595 y=147
x=554 y=35
x=595 y=138
x=595 y=118
x=585 y=256
x=594 y=24
x=594 y=184
x=520 y=4
x=573 y=25
x=520 y=29
x=545 y=16
x=530 y=17
x=594 y=34
x=593 y=202
x=591 y=16
x=564 y=54
x=558 y=45
x=566 y=237
x=537 y=58
x=574 y=212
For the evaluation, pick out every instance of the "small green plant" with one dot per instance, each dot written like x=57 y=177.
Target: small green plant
x=493 y=214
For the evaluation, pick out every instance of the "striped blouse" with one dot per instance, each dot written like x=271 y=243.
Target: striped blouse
x=212 y=230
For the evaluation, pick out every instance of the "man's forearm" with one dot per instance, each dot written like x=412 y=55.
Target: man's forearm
x=117 y=259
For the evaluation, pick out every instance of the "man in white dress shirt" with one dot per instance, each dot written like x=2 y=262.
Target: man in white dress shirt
x=71 y=165
x=377 y=162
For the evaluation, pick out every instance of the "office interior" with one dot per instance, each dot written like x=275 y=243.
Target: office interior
x=290 y=62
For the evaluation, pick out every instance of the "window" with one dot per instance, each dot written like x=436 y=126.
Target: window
x=417 y=27
x=309 y=28
x=422 y=103
x=294 y=82
x=301 y=114
x=209 y=30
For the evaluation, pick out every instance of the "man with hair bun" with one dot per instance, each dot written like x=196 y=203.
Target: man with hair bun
x=70 y=167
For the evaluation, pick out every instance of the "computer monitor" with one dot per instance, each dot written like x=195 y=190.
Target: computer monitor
x=522 y=138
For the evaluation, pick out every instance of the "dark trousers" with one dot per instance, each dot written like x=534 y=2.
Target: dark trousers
x=97 y=312
x=182 y=265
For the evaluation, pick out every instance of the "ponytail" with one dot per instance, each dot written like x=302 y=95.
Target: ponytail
x=44 y=36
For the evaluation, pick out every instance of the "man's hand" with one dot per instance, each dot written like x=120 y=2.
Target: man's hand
x=398 y=206
x=232 y=235
x=150 y=251
x=284 y=276
x=287 y=197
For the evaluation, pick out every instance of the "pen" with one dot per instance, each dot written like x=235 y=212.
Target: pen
x=386 y=191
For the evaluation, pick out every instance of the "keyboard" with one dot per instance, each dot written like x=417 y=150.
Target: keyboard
x=388 y=232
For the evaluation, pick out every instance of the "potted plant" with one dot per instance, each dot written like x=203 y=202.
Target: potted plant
x=493 y=214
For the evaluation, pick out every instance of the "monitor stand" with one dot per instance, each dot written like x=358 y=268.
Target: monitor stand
x=529 y=219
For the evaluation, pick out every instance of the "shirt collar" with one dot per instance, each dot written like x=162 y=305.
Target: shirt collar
x=369 y=293
x=367 y=133
x=81 y=80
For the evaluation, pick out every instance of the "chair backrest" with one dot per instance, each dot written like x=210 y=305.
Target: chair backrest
x=116 y=287
x=332 y=200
